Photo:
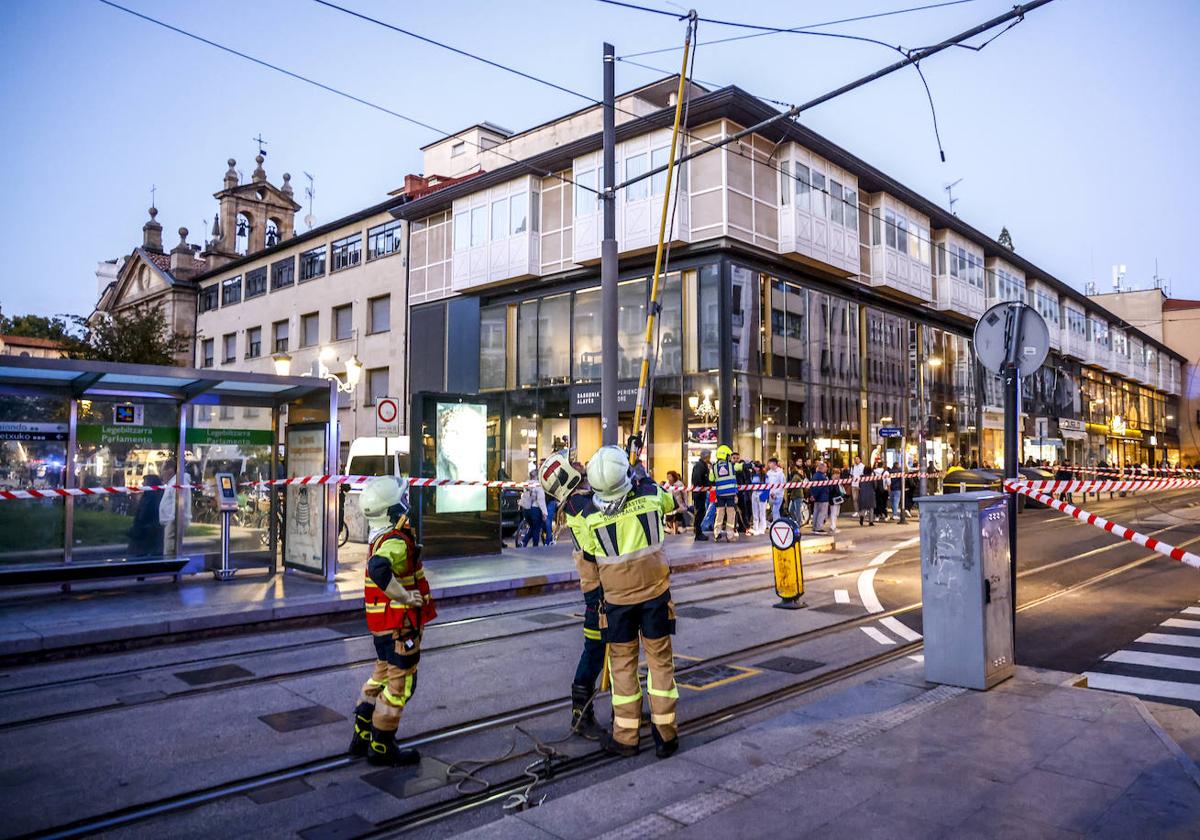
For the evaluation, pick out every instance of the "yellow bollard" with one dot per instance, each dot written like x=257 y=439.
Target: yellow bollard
x=789 y=570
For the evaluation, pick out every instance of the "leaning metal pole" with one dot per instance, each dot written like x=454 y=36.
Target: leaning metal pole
x=609 y=351
x=1012 y=419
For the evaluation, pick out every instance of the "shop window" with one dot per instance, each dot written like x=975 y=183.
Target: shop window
x=586 y=324
x=554 y=340
x=493 y=329
x=527 y=324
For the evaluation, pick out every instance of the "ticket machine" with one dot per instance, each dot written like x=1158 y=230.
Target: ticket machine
x=227 y=504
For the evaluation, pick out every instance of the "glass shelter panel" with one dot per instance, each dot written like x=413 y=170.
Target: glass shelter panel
x=33 y=450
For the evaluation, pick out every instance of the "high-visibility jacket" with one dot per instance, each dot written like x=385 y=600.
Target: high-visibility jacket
x=627 y=545
x=724 y=478
x=575 y=511
x=395 y=557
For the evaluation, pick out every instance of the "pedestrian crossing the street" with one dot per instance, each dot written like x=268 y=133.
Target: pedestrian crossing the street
x=1163 y=665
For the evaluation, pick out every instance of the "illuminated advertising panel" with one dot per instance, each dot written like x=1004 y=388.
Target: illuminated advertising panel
x=461 y=455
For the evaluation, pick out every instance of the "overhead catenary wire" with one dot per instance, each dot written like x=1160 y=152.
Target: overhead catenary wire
x=804 y=28
x=914 y=56
x=328 y=88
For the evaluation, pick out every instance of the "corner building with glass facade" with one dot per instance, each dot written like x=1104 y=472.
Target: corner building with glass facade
x=810 y=300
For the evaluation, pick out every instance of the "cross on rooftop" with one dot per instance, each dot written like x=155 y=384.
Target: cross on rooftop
x=261 y=142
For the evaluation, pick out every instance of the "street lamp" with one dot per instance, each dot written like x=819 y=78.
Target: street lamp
x=354 y=368
x=283 y=364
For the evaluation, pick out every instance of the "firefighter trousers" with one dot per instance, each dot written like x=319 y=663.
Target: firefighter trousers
x=647 y=626
x=591 y=660
x=394 y=679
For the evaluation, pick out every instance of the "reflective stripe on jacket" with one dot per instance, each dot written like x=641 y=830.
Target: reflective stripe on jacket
x=724 y=478
x=627 y=545
x=399 y=548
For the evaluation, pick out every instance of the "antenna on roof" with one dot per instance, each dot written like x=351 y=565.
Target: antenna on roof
x=310 y=193
x=950 y=199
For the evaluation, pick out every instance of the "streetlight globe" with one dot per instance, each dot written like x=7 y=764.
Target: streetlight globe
x=283 y=364
x=354 y=371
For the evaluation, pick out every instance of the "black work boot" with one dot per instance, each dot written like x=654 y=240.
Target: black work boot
x=614 y=747
x=385 y=753
x=362 y=729
x=663 y=748
x=583 y=717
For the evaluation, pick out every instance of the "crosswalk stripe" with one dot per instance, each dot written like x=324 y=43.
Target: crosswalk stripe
x=1154 y=660
x=899 y=628
x=877 y=635
x=1192 y=610
x=1141 y=685
x=841 y=596
x=1170 y=639
x=1182 y=622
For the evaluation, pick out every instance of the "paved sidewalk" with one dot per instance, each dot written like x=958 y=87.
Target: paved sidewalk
x=897 y=757
x=42 y=619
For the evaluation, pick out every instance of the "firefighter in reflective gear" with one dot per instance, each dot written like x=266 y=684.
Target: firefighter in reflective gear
x=398 y=605
x=624 y=523
x=563 y=481
x=724 y=479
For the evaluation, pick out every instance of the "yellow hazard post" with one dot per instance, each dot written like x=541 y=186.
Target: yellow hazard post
x=789 y=570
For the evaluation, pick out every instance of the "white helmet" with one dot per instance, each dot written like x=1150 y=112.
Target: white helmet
x=384 y=500
x=610 y=475
x=558 y=476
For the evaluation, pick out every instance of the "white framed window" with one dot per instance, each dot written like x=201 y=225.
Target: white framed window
x=499 y=220
x=478 y=226
x=586 y=199
x=818 y=195
x=803 y=188
x=785 y=182
x=462 y=232
x=889 y=219
x=518 y=213
x=851 y=209
x=837 y=210
x=658 y=181
x=635 y=166
x=459 y=148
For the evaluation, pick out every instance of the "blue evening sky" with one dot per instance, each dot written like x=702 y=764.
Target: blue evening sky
x=1077 y=129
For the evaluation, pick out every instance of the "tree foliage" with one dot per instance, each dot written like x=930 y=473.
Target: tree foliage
x=138 y=335
x=1005 y=239
x=55 y=328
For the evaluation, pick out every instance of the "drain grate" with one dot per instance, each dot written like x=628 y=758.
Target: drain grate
x=546 y=618
x=712 y=676
x=217 y=673
x=841 y=609
x=697 y=612
x=789 y=664
x=302 y=718
x=278 y=791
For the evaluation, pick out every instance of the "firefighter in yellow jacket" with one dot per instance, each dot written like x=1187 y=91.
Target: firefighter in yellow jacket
x=624 y=529
x=398 y=605
x=563 y=481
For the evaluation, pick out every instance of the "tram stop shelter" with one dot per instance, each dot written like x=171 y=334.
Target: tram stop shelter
x=103 y=430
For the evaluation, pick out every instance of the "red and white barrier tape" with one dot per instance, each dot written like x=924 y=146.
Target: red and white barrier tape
x=1112 y=485
x=353 y=480
x=1112 y=527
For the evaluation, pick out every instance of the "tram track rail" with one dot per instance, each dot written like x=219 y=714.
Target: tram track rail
x=438 y=811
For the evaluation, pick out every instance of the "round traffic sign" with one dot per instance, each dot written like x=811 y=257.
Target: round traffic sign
x=993 y=331
x=386 y=410
x=782 y=535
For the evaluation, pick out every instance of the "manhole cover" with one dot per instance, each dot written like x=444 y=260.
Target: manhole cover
x=697 y=612
x=404 y=782
x=218 y=673
x=789 y=664
x=302 y=718
x=712 y=676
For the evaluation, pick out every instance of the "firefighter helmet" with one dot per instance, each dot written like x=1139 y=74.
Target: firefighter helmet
x=610 y=474
x=558 y=476
x=723 y=452
x=384 y=500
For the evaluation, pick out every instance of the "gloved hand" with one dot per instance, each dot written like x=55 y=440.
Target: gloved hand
x=402 y=595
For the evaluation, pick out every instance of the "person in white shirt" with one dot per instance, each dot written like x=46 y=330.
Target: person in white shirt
x=775 y=475
x=533 y=510
x=166 y=507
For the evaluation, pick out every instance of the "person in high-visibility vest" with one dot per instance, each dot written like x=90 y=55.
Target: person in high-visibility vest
x=563 y=481
x=624 y=528
x=725 y=482
x=398 y=605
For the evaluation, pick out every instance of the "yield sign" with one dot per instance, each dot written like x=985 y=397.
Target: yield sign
x=782 y=535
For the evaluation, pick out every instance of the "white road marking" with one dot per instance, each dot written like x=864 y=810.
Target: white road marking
x=1139 y=685
x=917 y=657
x=1192 y=610
x=1169 y=639
x=898 y=627
x=841 y=596
x=1181 y=622
x=877 y=635
x=882 y=557
x=866 y=592
x=1155 y=660
x=909 y=542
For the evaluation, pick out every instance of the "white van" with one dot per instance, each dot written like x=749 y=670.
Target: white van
x=367 y=456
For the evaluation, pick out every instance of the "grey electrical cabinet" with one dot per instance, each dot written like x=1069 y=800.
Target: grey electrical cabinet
x=965 y=589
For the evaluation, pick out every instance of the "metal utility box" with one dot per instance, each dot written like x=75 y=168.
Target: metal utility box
x=965 y=589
